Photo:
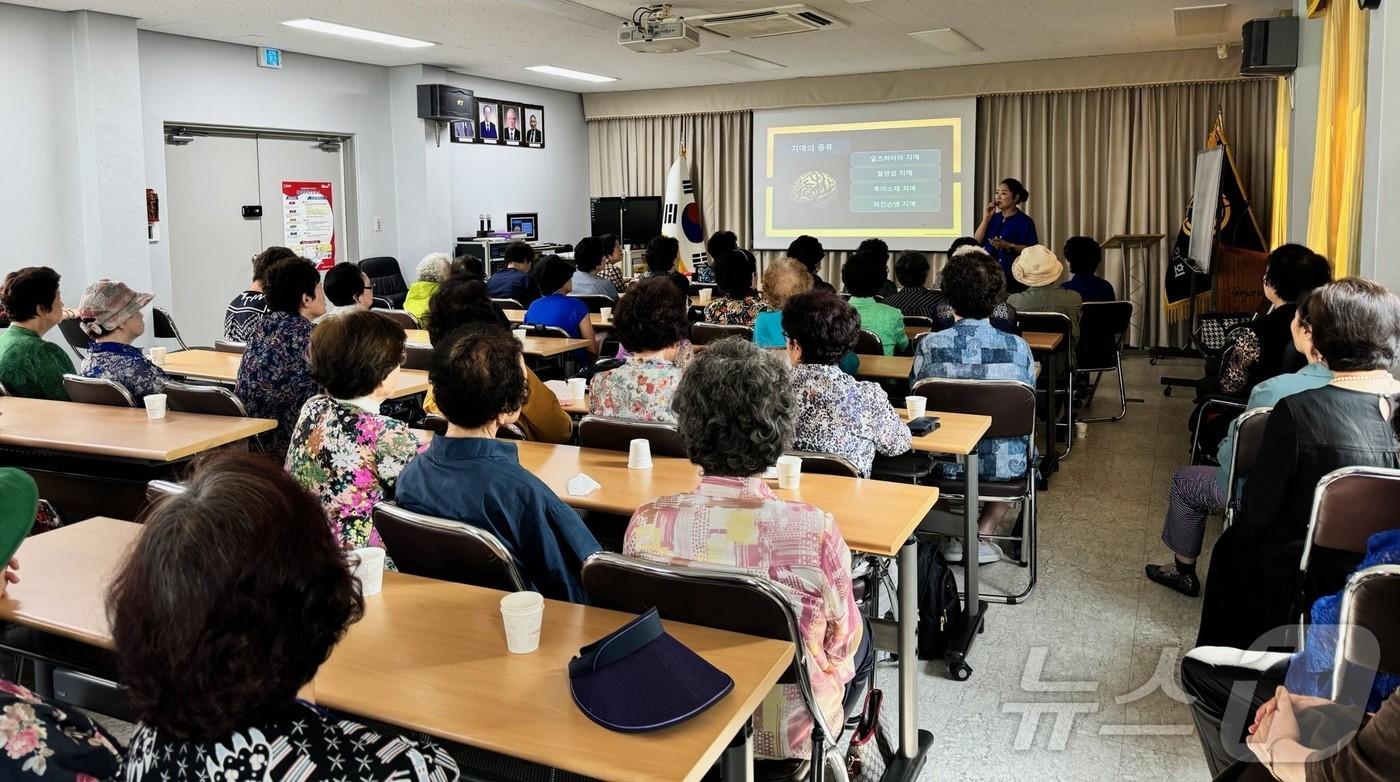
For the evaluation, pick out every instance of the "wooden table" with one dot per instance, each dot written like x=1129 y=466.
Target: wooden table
x=222 y=367
x=599 y=322
x=543 y=347
x=430 y=656
x=96 y=459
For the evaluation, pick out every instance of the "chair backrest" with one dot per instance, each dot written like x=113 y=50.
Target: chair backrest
x=447 y=550
x=1009 y=403
x=384 y=275
x=433 y=423
x=403 y=318
x=617 y=434
x=159 y=490
x=508 y=304
x=594 y=301
x=96 y=391
x=229 y=346
x=209 y=400
x=917 y=341
x=726 y=600
x=1368 y=604
x=553 y=332
x=164 y=327
x=826 y=463
x=868 y=344
x=380 y=303
x=1249 y=436
x=1213 y=331
x=1102 y=326
x=74 y=335
x=695 y=313
x=705 y=333
x=417 y=356
x=599 y=367
x=1349 y=506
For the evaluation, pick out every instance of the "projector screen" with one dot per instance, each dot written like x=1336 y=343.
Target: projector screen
x=899 y=171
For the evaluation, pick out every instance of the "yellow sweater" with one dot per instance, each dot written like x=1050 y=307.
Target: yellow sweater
x=542 y=419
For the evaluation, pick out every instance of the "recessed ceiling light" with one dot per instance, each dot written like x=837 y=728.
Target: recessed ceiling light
x=743 y=60
x=358 y=33
x=554 y=70
x=946 y=39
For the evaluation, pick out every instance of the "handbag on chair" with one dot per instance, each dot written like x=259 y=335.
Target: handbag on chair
x=867 y=756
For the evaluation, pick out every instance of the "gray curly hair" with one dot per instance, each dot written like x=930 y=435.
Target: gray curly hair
x=434 y=267
x=735 y=409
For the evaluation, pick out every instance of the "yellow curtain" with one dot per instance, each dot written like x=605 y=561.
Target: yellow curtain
x=1334 y=219
x=1283 y=109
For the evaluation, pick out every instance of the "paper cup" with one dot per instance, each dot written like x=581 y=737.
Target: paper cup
x=1081 y=429
x=578 y=388
x=158 y=356
x=789 y=472
x=705 y=295
x=916 y=405
x=639 y=455
x=606 y=313
x=520 y=334
x=155 y=406
x=368 y=567
x=522 y=613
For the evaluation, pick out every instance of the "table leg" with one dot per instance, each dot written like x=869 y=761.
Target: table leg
x=736 y=763
x=1050 y=459
x=970 y=519
x=908 y=653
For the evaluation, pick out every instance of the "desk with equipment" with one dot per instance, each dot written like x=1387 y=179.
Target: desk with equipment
x=448 y=672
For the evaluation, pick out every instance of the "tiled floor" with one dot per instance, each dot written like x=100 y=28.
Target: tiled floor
x=1082 y=651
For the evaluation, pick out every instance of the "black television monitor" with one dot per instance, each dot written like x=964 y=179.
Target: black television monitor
x=605 y=216
x=641 y=219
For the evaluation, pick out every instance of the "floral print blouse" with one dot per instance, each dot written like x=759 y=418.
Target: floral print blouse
x=274 y=377
x=125 y=366
x=739 y=524
x=735 y=312
x=349 y=457
x=838 y=414
x=46 y=742
x=640 y=390
x=295 y=743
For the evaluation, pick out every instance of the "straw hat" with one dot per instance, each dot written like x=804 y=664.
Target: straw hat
x=1037 y=267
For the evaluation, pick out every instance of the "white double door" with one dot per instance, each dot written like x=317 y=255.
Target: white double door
x=209 y=181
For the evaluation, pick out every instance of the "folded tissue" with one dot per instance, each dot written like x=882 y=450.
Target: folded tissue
x=582 y=485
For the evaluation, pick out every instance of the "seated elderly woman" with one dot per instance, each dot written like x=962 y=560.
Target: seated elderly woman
x=651 y=324
x=556 y=307
x=914 y=297
x=433 y=271
x=463 y=301
x=782 y=280
x=737 y=303
x=31 y=366
x=110 y=314
x=230 y=600
x=274 y=377
x=835 y=412
x=736 y=416
x=342 y=449
x=1253 y=579
x=974 y=349
x=865 y=275
x=1003 y=315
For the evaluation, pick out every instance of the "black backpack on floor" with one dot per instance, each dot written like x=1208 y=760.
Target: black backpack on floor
x=940 y=610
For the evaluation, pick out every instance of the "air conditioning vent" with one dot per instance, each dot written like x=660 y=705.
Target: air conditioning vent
x=768 y=22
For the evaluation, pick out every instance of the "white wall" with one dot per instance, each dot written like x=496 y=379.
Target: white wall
x=499 y=179
x=1380 y=232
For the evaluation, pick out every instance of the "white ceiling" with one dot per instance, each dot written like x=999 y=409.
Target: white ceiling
x=498 y=38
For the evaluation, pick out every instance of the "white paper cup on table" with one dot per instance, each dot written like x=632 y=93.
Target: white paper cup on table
x=606 y=313
x=368 y=566
x=916 y=405
x=158 y=356
x=639 y=455
x=520 y=334
x=522 y=613
x=578 y=388
x=789 y=472
x=155 y=406
x=705 y=295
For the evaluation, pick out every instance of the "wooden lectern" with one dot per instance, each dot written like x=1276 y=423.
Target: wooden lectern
x=1136 y=263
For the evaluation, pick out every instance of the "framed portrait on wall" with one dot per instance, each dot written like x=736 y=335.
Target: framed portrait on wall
x=512 y=131
x=534 y=126
x=488 y=129
x=463 y=131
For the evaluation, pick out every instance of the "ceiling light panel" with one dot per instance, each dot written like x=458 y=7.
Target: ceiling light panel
x=567 y=73
x=946 y=39
x=358 y=33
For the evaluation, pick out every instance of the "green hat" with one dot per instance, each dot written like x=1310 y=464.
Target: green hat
x=19 y=499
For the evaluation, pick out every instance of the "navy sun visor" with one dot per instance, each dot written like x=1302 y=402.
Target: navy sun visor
x=638 y=679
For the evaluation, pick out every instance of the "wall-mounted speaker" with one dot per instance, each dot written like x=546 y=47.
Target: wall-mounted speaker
x=445 y=103
x=1270 y=46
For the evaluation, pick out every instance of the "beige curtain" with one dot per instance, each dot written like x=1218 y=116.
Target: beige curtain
x=632 y=156
x=1106 y=162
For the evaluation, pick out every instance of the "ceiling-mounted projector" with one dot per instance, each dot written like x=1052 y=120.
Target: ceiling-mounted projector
x=654 y=31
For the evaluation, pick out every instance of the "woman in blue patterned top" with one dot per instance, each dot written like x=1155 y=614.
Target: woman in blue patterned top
x=274 y=378
x=974 y=349
x=111 y=316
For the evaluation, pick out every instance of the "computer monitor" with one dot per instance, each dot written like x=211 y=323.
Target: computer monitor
x=527 y=223
x=641 y=219
x=605 y=216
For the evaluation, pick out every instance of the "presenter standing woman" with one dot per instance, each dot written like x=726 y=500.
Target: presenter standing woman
x=1005 y=230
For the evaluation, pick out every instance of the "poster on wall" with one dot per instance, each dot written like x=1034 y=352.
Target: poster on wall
x=308 y=223
x=487 y=131
x=463 y=132
x=534 y=125
x=510 y=124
